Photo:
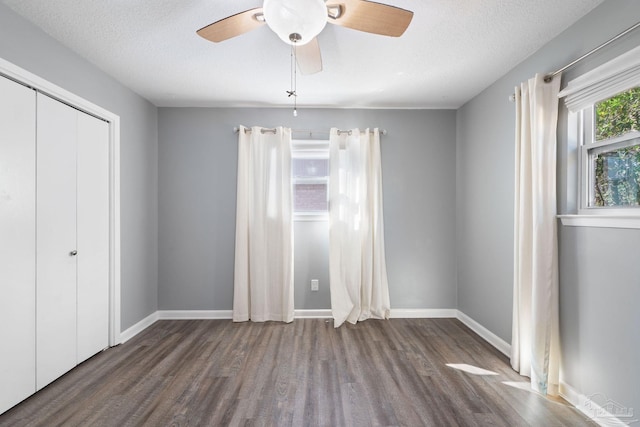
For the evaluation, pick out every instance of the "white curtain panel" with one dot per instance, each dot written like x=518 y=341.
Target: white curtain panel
x=263 y=281
x=535 y=330
x=357 y=268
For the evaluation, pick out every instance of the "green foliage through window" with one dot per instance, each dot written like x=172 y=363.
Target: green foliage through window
x=618 y=115
x=617 y=178
x=617 y=171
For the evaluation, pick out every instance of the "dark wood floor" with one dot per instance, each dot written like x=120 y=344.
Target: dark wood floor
x=219 y=373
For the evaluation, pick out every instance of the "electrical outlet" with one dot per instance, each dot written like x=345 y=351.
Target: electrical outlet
x=314 y=284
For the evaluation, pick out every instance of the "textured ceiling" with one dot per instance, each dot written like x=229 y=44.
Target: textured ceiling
x=452 y=50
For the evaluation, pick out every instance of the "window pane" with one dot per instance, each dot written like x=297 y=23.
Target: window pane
x=310 y=197
x=310 y=177
x=618 y=115
x=617 y=177
x=309 y=168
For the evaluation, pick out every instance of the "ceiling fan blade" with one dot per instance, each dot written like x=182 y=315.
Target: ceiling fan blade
x=309 y=58
x=233 y=25
x=370 y=17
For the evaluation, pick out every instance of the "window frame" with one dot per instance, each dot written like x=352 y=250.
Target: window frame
x=615 y=76
x=310 y=149
x=584 y=120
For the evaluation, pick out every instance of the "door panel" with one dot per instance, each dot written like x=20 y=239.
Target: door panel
x=93 y=236
x=17 y=242
x=56 y=239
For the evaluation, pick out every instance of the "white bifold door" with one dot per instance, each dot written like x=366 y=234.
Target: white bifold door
x=72 y=238
x=17 y=243
x=54 y=239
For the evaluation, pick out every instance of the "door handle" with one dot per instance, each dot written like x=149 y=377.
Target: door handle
x=73 y=253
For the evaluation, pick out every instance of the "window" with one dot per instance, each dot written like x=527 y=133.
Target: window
x=310 y=179
x=603 y=144
x=610 y=153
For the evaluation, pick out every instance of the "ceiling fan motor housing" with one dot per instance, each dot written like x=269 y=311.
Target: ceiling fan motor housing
x=295 y=21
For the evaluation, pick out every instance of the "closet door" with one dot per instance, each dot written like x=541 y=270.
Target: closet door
x=56 y=240
x=93 y=235
x=17 y=242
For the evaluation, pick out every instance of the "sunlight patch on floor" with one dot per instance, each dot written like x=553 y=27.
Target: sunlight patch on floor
x=470 y=369
x=519 y=384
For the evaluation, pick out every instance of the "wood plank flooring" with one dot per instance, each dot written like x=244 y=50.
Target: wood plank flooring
x=219 y=373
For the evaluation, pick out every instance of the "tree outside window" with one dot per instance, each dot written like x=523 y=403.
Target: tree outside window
x=616 y=180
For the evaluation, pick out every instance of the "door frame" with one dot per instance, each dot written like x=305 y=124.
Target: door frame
x=39 y=84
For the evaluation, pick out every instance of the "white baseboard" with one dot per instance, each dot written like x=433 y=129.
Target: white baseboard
x=134 y=330
x=501 y=345
x=398 y=313
x=312 y=314
x=594 y=411
x=422 y=313
x=194 y=314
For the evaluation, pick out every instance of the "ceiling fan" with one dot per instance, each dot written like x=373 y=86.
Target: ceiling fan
x=298 y=22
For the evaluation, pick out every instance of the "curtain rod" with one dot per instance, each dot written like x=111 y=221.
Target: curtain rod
x=550 y=76
x=309 y=131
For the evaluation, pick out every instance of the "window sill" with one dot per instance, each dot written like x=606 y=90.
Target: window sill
x=323 y=216
x=603 y=221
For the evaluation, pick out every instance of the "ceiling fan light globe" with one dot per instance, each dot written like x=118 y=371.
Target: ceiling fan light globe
x=304 y=17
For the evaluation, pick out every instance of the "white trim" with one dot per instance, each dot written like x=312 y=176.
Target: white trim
x=604 y=221
x=422 y=313
x=138 y=327
x=571 y=395
x=580 y=137
x=37 y=83
x=619 y=74
x=591 y=409
x=324 y=313
x=310 y=148
x=194 y=314
x=398 y=313
x=311 y=216
x=115 y=246
x=500 y=345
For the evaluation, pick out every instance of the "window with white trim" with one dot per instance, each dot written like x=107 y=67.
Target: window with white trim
x=310 y=179
x=604 y=122
x=610 y=153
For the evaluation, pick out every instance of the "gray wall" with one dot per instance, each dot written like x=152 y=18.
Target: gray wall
x=599 y=283
x=197 y=173
x=28 y=47
x=600 y=320
x=435 y=163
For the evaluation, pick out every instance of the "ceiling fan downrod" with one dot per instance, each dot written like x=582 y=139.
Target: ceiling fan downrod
x=294 y=38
